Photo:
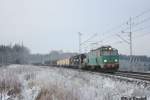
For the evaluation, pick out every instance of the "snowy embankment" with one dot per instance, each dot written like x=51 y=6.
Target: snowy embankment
x=27 y=82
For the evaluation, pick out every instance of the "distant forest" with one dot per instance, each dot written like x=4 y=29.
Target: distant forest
x=16 y=54
x=19 y=54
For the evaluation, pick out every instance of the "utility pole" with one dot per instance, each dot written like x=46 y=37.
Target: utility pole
x=130 y=39
x=130 y=35
x=79 y=41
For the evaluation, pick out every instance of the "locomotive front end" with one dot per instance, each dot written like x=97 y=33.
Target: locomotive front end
x=110 y=59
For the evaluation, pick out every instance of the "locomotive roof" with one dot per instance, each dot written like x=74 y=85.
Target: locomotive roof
x=107 y=46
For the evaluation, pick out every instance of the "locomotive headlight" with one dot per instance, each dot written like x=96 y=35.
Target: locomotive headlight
x=105 y=60
x=116 y=60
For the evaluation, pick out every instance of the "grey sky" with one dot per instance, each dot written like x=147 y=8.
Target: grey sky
x=45 y=25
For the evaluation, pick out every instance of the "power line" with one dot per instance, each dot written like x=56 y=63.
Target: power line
x=82 y=43
x=89 y=38
x=123 y=39
x=143 y=21
x=139 y=36
x=133 y=26
x=125 y=23
x=115 y=28
x=137 y=24
x=129 y=25
x=140 y=29
x=141 y=14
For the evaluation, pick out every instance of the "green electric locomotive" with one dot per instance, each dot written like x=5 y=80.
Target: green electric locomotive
x=104 y=59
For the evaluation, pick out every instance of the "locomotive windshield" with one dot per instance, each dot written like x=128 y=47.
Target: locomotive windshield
x=109 y=52
x=114 y=52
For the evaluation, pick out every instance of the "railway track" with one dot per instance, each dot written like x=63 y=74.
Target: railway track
x=132 y=75
x=135 y=75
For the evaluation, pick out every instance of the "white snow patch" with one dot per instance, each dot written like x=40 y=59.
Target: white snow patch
x=82 y=85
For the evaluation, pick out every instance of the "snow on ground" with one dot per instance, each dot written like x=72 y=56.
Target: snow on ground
x=43 y=83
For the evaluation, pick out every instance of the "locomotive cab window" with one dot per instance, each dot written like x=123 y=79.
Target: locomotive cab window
x=109 y=51
x=114 y=52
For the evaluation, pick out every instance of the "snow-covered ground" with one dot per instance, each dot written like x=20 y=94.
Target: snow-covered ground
x=27 y=82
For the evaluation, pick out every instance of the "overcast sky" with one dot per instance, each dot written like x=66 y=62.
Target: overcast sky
x=45 y=25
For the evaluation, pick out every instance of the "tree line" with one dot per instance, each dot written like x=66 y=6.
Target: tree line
x=16 y=54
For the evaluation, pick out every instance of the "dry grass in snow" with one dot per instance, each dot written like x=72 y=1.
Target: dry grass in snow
x=10 y=86
x=54 y=92
x=37 y=83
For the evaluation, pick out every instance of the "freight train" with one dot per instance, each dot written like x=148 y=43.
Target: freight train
x=105 y=59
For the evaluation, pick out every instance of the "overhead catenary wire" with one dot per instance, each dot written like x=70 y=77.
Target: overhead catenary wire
x=125 y=23
x=141 y=35
x=82 y=43
x=142 y=21
x=142 y=28
x=127 y=28
x=141 y=14
x=118 y=30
